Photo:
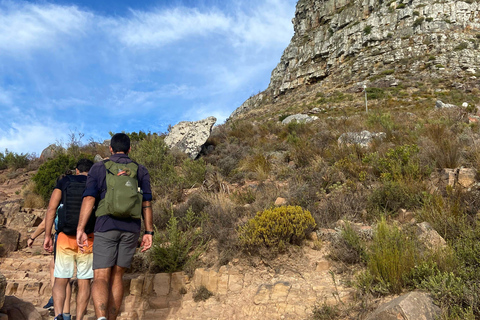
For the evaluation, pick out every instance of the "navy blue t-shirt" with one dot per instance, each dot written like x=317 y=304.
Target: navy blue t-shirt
x=97 y=187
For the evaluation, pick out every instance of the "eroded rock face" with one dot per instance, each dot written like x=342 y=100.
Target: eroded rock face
x=413 y=305
x=367 y=42
x=189 y=136
x=299 y=118
x=363 y=139
x=51 y=151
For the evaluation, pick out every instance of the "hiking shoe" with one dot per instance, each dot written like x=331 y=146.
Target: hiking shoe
x=49 y=303
x=59 y=317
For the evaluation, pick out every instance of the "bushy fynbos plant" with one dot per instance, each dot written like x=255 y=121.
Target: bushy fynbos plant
x=277 y=227
x=49 y=172
x=13 y=160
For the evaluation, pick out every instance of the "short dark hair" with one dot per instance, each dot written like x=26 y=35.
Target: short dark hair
x=84 y=165
x=120 y=143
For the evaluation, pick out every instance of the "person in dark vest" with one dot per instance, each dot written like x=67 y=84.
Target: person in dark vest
x=117 y=228
x=67 y=198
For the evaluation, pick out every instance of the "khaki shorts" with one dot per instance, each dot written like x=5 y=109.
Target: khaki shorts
x=67 y=255
x=114 y=248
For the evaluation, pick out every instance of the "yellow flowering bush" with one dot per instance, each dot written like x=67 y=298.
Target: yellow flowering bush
x=277 y=227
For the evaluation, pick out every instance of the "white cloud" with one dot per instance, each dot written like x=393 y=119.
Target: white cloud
x=163 y=27
x=31 y=137
x=25 y=26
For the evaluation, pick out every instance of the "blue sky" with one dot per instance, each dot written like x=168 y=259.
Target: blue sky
x=94 y=66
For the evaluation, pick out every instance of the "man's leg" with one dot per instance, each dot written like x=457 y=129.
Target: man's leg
x=100 y=291
x=68 y=297
x=83 y=295
x=116 y=292
x=59 y=293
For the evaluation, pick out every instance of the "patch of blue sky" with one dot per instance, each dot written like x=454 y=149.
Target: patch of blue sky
x=97 y=66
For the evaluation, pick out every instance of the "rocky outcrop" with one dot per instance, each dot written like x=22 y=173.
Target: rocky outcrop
x=189 y=137
x=413 y=305
x=429 y=239
x=51 y=151
x=299 y=118
x=363 y=139
x=351 y=43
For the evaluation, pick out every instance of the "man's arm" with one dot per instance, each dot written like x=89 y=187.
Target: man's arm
x=55 y=199
x=85 y=212
x=147 y=239
x=38 y=231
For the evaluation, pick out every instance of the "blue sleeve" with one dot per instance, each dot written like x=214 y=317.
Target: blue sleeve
x=144 y=181
x=94 y=180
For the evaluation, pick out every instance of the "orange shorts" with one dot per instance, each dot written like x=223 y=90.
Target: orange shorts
x=68 y=255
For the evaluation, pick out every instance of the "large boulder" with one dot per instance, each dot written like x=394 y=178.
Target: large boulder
x=9 y=240
x=189 y=137
x=51 y=151
x=18 y=309
x=411 y=306
x=429 y=239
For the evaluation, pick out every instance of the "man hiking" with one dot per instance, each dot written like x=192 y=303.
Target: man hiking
x=67 y=198
x=122 y=189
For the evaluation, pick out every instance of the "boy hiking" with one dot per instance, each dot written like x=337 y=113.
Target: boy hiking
x=123 y=190
x=67 y=198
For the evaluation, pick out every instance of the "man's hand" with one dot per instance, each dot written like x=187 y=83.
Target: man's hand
x=29 y=242
x=82 y=240
x=147 y=241
x=48 y=243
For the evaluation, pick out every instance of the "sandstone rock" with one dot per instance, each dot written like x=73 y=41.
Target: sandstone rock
x=299 y=118
x=363 y=139
x=189 y=137
x=3 y=288
x=51 y=151
x=19 y=310
x=466 y=177
x=280 y=202
x=9 y=239
x=413 y=305
x=429 y=237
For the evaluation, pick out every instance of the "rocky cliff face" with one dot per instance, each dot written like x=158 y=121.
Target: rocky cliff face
x=355 y=42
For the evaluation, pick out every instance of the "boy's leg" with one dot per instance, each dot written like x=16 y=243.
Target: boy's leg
x=59 y=293
x=83 y=296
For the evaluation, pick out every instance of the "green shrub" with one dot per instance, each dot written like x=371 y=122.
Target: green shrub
x=178 y=248
x=325 y=312
x=391 y=196
x=375 y=93
x=153 y=154
x=392 y=255
x=277 y=227
x=367 y=29
x=202 y=294
x=418 y=22
x=193 y=172
x=349 y=248
x=13 y=160
x=49 y=172
x=461 y=46
x=429 y=19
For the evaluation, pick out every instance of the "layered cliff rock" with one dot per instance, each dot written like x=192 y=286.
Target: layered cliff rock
x=349 y=43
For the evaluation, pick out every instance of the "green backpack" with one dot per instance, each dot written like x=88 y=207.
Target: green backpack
x=123 y=198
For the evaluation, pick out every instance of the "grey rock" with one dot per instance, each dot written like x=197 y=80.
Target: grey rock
x=363 y=139
x=97 y=158
x=411 y=306
x=440 y=105
x=51 y=151
x=189 y=137
x=299 y=118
